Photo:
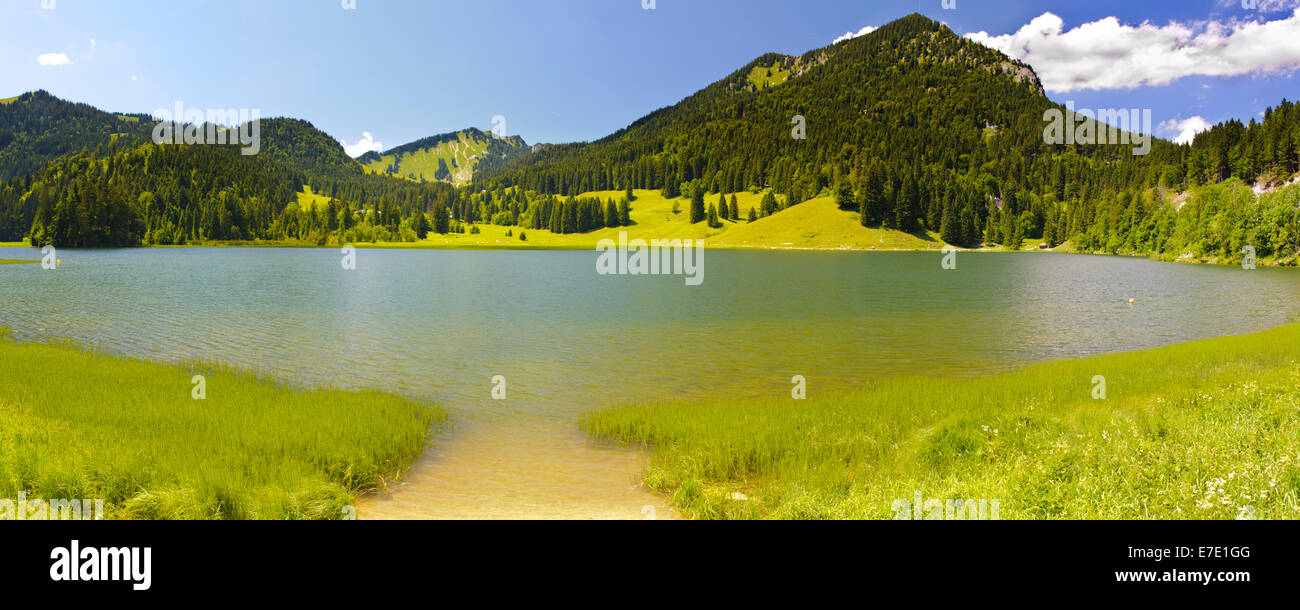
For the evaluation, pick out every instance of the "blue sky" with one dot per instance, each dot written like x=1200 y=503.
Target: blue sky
x=566 y=70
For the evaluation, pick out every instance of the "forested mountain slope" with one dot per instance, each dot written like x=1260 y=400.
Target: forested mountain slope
x=36 y=128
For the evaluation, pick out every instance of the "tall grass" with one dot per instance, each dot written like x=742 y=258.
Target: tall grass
x=1204 y=430
x=75 y=424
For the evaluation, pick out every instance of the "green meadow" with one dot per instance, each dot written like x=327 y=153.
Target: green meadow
x=80 y=425
x=763 y=77
x=817 y=224
x=1202 y=430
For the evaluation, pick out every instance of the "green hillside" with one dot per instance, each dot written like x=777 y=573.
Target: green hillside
x=451 y=157
x=36 y=128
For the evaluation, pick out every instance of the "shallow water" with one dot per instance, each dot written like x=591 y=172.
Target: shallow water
x=439 y=325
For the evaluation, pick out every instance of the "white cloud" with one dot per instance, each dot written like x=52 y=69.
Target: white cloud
x=53 y=59
x=1106 y=54
x=1186 y=128
x=1266 y=6
x=92 y=42
x=366 y=144
x=850 y=35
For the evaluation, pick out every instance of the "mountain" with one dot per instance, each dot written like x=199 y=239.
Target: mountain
x=36 y=128
x=299 y=144
x=80 y=177
x=450 y=157
x=913 y=119
x=912 y=85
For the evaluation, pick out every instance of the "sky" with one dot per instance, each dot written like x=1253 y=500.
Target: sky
x=387 y=72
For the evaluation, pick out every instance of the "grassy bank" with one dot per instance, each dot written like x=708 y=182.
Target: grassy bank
x=5 y=261
x=79 y=425
x=1203 y=430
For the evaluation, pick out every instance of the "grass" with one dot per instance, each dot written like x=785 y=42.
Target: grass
x=820 y=224
x=75 y=424
x=307 y=199
x=763 y=77
x=814 y=224
x=1203 y=430
x=5 y=261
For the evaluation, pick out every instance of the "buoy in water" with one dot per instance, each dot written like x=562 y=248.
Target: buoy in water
x=1132 y=301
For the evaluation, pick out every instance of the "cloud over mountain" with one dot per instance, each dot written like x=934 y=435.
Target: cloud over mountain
x=1106 y=54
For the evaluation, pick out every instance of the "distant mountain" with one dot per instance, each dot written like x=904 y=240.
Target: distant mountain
x=450 y=157
x=78 y=176
x=36 y=128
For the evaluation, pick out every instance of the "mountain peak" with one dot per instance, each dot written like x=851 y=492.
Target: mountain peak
x=452 y=157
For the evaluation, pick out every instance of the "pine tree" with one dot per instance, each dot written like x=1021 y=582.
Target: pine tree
x=970 y=227
x=768 y=205
x=624 y=213
x=420 y=224
x=871 y=196
x=735 y=208
x=950 y=227
x=844 y=195
x=611 y=214
x=697 y=205
x=752 y=214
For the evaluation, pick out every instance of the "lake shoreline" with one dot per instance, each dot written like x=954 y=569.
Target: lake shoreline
x=207 y=441
x=1271 y=263
x=1037 y=439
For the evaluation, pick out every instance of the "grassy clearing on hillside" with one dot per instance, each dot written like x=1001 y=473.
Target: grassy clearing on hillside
x=308 y=200
x=652 y=217
x=813 y=224
x=1203 y=430
x=820 y=224
x=459 y=156
x=764 y=77
x=77 y=425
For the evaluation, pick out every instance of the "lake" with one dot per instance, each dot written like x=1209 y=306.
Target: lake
x=440 y=325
